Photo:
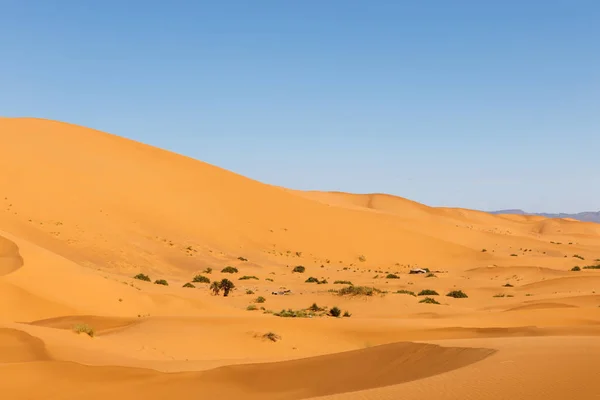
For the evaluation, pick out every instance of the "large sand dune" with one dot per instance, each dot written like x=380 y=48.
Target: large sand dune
x=82 y=212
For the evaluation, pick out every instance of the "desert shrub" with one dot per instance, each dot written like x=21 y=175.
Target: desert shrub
x=358 y=291
x=483 y=250
x=362 y=258
x=229 y=270
x=247 y=277
x=226 y=286
x=315 y=308
x=189 y=285
x=500 y=295
x=392 y=276
x=84 y=328
x=457 y=294
x=215 y=287
x=335 y=312
x=142 y=277
x=507 y=285
x=260 y=299
x=289 y=313
x=312 y=279
x=575 y=269
x=404 y=291
x=428 y=292
x=273 y=337
x=347 y=314
x=342 y=283
x=161 y=282
x=431 y=275
x=242 y=259
x=269 y=279
x=248 y=291
x=201 y=279
x=578 y=256
x=208 y=270
x=592 y=267
x=251 y=307
x=514 y=255
x=429 y=300
x=299 y=269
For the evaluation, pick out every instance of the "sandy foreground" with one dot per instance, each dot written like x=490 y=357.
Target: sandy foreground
x=82 y=212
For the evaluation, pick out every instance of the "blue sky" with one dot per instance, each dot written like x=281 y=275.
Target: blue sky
x=476 y=104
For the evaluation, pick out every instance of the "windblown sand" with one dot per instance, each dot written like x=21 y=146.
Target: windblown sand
x=82 y=212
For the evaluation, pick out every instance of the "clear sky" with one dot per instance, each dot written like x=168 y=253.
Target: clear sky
x=477 y=104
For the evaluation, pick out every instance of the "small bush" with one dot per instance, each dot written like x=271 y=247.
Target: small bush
x=578 y=256
x=342 y=283
x=507 y=285
x=312 y=279
x=248 y=291
x=431 y=275
x=347 y=314
x=403 y=291
x=592 y=267
x=161 y=282
x=457 y=294
x=251 y=307
x=289 y=313
x=201 y=279
x=362 y=258
x=392 y=276
x=142 y=277
x=500 y=295
x=84 y=328
x=260 y=300
x=335 y=312
x=316 y=308
x=269 y=279
x=188 y=285
x=273 y=337
x=299 y=269
x=242 y=259
x=429 y=300
x=246 y=277
x=514 y=255
x=229 y=270
x=575 y=269
x=358 y=291
x=207 y=271
x=483 y=250
x=428 y=292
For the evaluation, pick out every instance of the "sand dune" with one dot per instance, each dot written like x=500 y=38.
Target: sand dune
x=82 y=212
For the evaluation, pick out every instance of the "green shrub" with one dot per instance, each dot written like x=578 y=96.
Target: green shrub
x=189 y=285
x=392 y=276
x=429 y=300
x=242 y=259
x=403 y=291
x=576 y=268
x=457 y=294
x=260 y=299
x=201 y=279
x=248 y=291
x=335 y=312
x=251 y=307
x=269 y=279
x=225 y=285
x=358 y=291
x=273 y=337
x=578 y=256
x=316 y=308
x=347 y=314
x=208 y=270
x=142 y=277
x=507 y=285
x=229 y=270
x=592 y=267
x=514 y=255
x=161 y=282
x=84 y=328
x=299 y=269
x=342 y=283
x=428 y=292
x=362 y=258
x=247 y=277
x=312 y=279
x=289 y=313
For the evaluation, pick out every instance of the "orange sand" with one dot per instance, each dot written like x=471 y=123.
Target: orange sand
x=82 y=212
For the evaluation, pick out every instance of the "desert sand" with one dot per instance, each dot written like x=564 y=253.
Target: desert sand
x=82 y=212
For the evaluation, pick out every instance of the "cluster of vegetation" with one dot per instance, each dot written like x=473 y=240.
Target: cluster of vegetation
x=299 y=269
x=592 y=266
x=161 y=282
x=201 y=279
x=229 y=270
x=260 y=300
x=242 y=259
x=142 y=277
x=457 y=294
x=312 y=279
x=392 y=276
x=578 y=256
x=189 y=285
x=313 y=311
x=273 y=337
x=207 y=271
x=507 y=285
x=247 y=277
x=576 y=268
x=84 y=328
x=225 y=285
x=358 y=291
x=503 y=295
x=428 y=292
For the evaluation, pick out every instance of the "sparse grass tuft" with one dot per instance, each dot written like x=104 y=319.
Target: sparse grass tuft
x=208 y=270
x=189 y=285
x=457 y=294
x=229 y=270
x=201 y=279
x=247 y=277
x=428 y=292
x=316 y=308
x=273 y=337
x=592 y=267
x=242 y=259
x=335 y=312
x=429 y=300
x=142 y=277
x=311 y=279
x=299 y=269
x=347 y=314
x=84 y=328
x=161 y=282
x=404 y=291
x=342 y=283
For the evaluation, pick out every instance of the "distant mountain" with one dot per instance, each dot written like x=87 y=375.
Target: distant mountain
x=588 y=216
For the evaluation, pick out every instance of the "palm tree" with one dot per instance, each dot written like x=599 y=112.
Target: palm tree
x=227 y=286
x=215 y=287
